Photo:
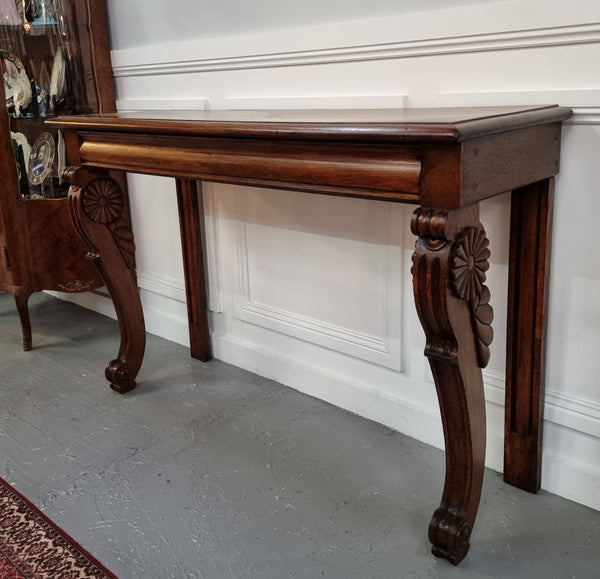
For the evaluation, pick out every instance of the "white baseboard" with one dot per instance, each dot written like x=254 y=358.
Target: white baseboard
x=574 y=480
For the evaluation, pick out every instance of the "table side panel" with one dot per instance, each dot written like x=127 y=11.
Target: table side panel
x=499 y=163
x=458 y=174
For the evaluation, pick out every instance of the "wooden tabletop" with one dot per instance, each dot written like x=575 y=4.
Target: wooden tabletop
x=406 y=124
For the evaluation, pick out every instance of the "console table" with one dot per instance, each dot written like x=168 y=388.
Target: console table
x=443 y=160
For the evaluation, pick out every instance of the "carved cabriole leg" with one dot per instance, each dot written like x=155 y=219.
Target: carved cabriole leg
x=449 y=265
x=97 y=205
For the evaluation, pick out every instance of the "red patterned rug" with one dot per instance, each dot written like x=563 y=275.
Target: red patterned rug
x=31 y=545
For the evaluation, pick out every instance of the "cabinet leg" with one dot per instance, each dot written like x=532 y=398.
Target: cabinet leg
x=449 y=265
x=22 y=302
x=97 y=205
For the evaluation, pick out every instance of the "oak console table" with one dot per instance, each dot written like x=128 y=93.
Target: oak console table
x=444 y=160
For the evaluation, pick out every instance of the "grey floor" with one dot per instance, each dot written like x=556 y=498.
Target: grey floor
x=209 y=471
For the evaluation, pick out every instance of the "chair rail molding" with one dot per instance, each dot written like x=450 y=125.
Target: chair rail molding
x=128 y=63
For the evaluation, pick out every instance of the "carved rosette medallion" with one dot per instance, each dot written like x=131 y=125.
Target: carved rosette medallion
x=470 y=256
x=103 y=201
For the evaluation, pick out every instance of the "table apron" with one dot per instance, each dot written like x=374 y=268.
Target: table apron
x=380 y=172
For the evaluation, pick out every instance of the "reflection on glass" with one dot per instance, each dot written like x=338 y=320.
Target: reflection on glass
x=9 y=13
x=37 y=65
x=45 y=14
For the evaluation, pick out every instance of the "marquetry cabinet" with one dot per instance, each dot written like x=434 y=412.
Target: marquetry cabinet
x=55 y=60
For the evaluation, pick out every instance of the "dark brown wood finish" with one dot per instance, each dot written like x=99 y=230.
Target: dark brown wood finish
x=191 y=214
x=97 y=206
x=89 y=26
x=444 y=160
x=531 y=221
x=449 y=267
x=40 y=249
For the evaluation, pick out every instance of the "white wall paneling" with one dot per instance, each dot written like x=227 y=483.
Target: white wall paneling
x=277 y=259
x=295 y=252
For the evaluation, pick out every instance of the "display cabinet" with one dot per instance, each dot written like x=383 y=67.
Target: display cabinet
x=55 y=59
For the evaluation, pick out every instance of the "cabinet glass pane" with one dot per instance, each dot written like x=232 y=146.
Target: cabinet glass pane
x=42 y=77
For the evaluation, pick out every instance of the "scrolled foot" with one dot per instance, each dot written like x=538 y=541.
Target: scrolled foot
x=121 y=376
x=449 y=534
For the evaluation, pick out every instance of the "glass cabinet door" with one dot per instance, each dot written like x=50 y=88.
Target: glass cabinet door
x=46 y=51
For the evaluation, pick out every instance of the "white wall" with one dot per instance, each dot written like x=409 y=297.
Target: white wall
x=141 y=23
x=278 y=260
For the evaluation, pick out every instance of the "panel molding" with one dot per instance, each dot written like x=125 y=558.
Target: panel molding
x=508 y=40
x=212 y=241
x=387 y=350
x=166 y=286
